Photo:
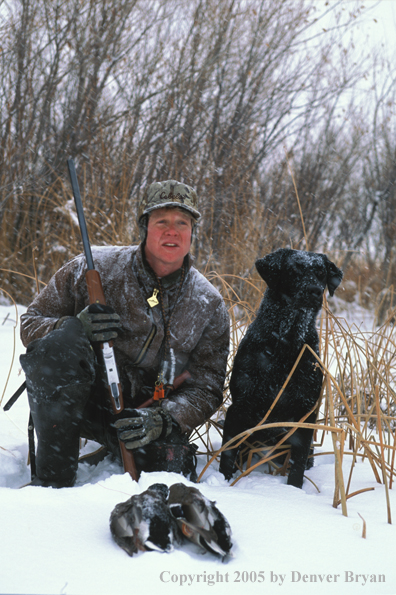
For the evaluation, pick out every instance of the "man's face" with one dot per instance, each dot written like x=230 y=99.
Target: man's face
x=168 y=240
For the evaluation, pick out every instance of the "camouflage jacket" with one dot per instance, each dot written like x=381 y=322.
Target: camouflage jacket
x=199 y=329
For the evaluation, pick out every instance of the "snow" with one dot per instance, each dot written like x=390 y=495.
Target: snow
x=286 y=540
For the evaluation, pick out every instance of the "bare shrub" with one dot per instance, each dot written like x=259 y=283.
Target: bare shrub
x=204 y=91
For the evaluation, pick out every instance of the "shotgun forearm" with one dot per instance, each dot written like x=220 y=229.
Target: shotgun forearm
x=96 y=296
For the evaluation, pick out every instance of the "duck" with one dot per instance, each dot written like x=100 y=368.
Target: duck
x=145 y=523
x=199 y=520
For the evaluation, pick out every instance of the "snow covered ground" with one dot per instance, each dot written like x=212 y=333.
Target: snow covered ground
x=286 y=541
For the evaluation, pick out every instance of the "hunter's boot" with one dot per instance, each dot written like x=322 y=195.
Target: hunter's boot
x=60 y=370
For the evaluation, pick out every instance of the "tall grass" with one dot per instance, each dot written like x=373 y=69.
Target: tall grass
x=38 y=239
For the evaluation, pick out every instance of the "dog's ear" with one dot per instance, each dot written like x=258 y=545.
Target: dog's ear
x=334 y=275
x=269 y=267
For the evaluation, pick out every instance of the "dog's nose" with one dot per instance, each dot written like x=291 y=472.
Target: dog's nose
x=315 y=291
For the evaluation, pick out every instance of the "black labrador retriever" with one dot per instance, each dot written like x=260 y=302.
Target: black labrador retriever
x=285 y=321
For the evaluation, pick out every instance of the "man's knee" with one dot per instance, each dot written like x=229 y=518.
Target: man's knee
x=62 y=358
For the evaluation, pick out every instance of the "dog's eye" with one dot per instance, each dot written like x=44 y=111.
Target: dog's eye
x=321 y=275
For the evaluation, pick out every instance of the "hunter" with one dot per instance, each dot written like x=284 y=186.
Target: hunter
x=166 y=321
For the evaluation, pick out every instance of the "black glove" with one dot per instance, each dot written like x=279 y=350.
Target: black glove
x=143 y=427
x=100 y=322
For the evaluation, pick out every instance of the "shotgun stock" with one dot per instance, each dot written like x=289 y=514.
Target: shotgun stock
x=96 y=296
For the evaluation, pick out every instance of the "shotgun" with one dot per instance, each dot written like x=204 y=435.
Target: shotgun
x=96 y=296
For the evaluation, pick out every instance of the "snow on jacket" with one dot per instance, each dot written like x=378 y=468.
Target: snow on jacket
x=199 y=330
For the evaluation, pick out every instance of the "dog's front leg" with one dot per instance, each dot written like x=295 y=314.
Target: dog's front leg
x=232 y=427
x=300 y=442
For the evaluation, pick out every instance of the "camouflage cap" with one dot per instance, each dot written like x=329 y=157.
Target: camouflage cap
x=169 y=194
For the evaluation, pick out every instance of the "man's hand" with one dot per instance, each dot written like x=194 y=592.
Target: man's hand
x=144 y=426
x=100 y=322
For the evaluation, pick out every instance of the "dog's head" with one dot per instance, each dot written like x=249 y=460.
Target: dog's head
x=299 y=276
